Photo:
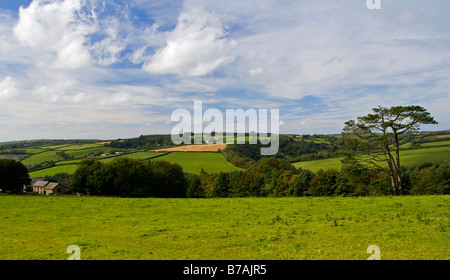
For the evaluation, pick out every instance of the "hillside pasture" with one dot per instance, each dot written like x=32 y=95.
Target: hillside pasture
x=41 y=157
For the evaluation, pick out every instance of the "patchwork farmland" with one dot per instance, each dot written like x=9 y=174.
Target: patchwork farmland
x=193 y=158
x=50 y=159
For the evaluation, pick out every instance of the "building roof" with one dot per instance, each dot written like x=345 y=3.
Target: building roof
x=41 y=183
x=51 y=186
x=34 y=180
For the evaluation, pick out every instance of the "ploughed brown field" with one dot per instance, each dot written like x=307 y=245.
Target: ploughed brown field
x=194 y=148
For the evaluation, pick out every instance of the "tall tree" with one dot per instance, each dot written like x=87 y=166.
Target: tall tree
x=377 y=135
x=13 y=176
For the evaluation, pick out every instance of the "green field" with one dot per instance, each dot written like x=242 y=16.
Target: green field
x=437 y=143
x=81 y=153
x=315 y=165
x=191 y=162
x=137 y=155
x=41 y=157
x=408 y=158
x=69 y=169
x=80 y=146
x=316 y=140
x=405 y=228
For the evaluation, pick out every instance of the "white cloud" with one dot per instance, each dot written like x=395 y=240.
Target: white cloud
x=196 y=47
x=255 y=71
x=107 y=51
x=73 y=55
x=72 y=31
x=59 y=27
x=76 y=65
x=79 y=97
x=119 y=98
x=54 y=90
x=8 y=89
x=137 y=56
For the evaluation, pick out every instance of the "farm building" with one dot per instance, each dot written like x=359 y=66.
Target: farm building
x=47 y=188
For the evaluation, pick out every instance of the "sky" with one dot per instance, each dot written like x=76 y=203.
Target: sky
x=91 y=69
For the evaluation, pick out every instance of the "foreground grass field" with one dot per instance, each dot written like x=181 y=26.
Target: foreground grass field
x=42 y=227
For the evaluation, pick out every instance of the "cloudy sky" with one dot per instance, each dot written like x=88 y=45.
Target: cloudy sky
x=117 y=69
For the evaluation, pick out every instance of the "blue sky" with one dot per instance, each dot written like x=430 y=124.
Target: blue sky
x=117 y=69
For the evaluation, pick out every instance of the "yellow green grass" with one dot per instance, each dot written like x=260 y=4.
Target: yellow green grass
x=405 y=228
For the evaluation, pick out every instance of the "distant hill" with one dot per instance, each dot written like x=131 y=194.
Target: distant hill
x=54 y=156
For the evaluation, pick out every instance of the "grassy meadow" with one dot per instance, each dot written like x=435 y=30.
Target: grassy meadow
x=107 y=228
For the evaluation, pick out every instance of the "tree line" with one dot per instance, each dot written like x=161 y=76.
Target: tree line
x=142 y=142
x=126 y=177
x=274 y=177
x=268 y=177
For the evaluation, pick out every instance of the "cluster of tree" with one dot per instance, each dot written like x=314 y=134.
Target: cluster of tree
x=59 y=177
x=268 y=177
x=242 y=155
x=13 y=152
x=13 y=176
x=274 y=177
x=427 y=179
x=291 y=149
x=298 y=150
x=41 y=165
x=142 y=142
x=126 y=177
